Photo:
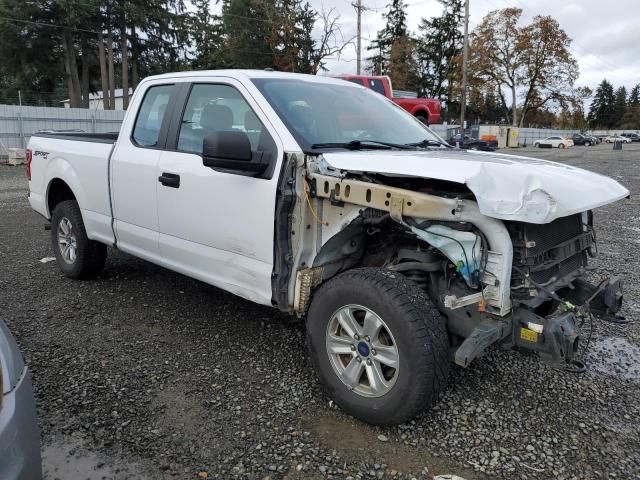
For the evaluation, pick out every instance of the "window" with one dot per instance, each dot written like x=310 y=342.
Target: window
x=376 y=85
x=146 y=131
x=318 y=112
x=357 y=80
x=212 y=108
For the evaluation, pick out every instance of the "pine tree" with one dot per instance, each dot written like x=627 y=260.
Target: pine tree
x=602 y=110
x=619 y=105
x=207 y=37
x=631 y=117
x=247 y=31
x=395 y=30
x=439 y=47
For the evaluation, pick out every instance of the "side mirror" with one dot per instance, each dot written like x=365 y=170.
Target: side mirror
x=231 y=150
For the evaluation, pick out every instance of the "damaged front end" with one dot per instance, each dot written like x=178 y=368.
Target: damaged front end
x=496 y=281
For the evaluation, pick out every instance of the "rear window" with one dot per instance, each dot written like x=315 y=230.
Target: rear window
x=376 y=85
x=356 y=80
x=146 y=131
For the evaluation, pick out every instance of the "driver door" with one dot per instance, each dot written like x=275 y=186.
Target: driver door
x=218 y=226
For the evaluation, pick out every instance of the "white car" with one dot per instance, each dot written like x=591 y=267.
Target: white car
x=327 y=201
x=617 y=138
x=554 y=142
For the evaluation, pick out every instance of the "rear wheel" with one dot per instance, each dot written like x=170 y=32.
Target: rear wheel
x=423 y=118
x=378 y=344
x=77 y=256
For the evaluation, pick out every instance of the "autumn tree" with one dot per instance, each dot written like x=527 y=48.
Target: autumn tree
x=533 y=59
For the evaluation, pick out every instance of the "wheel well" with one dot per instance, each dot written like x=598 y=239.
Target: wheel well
x=421 y=113
x=59 y=191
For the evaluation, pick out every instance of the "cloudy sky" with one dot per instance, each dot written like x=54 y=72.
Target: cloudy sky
x=606 y=35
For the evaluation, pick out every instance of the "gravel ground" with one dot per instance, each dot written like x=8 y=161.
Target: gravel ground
x=144 y=373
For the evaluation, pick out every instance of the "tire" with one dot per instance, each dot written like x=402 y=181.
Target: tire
x=424 y=119
x=537 y=145
x=86 y=258
x=411 y=324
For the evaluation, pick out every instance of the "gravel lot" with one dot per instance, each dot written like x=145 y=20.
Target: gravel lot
x=144 y=373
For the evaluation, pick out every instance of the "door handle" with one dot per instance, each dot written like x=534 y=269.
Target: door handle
x=169 y=180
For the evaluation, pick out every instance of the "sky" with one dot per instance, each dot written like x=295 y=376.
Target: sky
x=606 y=35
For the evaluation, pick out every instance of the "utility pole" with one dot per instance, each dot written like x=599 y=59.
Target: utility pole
x=359 y=9
x=465 y=57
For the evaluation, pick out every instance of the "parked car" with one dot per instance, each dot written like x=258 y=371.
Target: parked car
x=19 y=434
x=634 y=137
x=469 y=143
x=579 y=139
x=553 y=142
x=427 y=110
x=327 y=201
x=616 y=138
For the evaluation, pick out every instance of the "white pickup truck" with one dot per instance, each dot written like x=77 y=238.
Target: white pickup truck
x=323 y=199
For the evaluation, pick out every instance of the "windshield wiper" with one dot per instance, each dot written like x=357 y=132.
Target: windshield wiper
x=427 y=142
x=362 y=145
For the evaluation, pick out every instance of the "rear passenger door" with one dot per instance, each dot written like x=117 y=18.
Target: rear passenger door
x=217 y=225
x=134 y=165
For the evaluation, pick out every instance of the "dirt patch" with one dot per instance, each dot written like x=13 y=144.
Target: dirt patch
x=356 y=439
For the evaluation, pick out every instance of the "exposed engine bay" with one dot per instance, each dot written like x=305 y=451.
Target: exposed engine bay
x=511 y=282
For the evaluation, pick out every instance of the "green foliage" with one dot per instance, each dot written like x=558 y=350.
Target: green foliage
x=394 y=31
x=601 y=113
x=439 y=47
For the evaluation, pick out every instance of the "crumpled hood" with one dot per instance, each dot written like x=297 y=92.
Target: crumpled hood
x=507 y=187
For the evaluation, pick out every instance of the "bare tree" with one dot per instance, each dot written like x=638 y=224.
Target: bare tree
x=332 y=41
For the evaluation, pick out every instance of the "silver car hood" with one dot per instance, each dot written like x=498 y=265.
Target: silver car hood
x=507 y=187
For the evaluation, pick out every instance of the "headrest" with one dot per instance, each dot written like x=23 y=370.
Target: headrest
x=216 y=117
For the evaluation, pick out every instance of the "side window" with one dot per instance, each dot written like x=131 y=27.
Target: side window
x=146 y=131
x=214 y=107
x=356 y=80
x=376 y=85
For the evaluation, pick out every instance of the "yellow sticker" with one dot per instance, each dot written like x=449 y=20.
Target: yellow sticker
x=528 y=335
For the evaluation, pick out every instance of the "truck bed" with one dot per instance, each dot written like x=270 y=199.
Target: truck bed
x=81 y=161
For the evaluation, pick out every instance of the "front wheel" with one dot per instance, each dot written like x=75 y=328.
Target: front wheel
x=77 y=255
x=378 y=344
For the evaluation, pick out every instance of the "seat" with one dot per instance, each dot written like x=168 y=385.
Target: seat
x=212 y=118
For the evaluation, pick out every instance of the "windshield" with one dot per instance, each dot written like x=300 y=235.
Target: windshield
x=325 y=113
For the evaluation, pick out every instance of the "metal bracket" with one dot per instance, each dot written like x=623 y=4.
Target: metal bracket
x=452 y=302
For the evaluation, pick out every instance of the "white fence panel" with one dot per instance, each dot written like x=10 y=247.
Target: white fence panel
x=18 y=123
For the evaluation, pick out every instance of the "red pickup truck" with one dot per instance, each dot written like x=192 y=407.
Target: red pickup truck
x=427 y=110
